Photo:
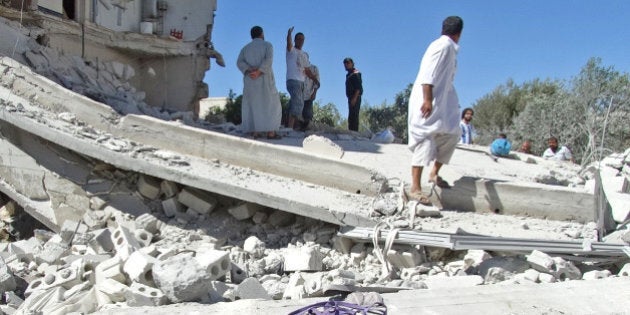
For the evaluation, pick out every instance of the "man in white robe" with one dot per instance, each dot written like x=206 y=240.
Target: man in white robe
x=261 y=111
x=434 y=108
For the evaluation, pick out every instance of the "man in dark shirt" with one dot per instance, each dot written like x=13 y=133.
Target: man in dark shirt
x=354 y=89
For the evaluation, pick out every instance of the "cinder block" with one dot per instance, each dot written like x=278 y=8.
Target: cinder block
x=148 y=222
x=200 y=201
x=169 y=189
x=66 y=278
x=474 y=257
x=143 y=295
x=596 y=274
x=238 y=273
x=305 y=258
x=101 y=243
x=245 y=210
x=95 y=219
x=624 y=272
x=215 y=262
x=143 y=237
x=540 y=261
x=563 y=270
x=124 y=242
x=172 y=207
x=404 y=257
x=149 y=186
x=7 y=281
x=139 y=268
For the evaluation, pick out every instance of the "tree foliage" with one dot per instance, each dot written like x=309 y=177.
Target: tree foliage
x=392 y=116
x=588 y=113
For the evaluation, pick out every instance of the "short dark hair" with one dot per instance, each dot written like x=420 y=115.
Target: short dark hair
x=452 y=25
x=552 y=138
x=297 y=34
x=256 y=31
x=467 y=109
x=348 y=59
x=502 y=136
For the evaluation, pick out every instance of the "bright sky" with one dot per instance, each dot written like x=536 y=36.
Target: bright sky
x=522 y=40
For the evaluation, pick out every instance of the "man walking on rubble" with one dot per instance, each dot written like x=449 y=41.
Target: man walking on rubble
x=434 y=109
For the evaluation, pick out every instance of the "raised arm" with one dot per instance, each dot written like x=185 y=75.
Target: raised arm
x=290 y=39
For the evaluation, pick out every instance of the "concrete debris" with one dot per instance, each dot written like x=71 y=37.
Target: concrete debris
x=134 y=226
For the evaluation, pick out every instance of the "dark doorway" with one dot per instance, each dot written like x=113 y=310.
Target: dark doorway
x=69 y=8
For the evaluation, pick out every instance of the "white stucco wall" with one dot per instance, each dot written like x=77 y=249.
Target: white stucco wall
x=190 y=16
x=52 y=5
x=107 y=16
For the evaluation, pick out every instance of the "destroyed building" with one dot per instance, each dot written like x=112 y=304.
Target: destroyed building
x=139 y=204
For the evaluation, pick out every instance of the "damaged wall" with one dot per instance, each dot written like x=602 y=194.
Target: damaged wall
x=170 y=71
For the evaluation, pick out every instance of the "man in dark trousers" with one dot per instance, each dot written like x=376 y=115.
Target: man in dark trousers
x=354 y=89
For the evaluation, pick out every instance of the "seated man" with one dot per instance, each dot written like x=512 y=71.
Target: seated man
x=501 y=146
x=526 y=147
x=559 y=154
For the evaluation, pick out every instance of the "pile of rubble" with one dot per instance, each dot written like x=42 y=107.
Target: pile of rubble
x=194 y=246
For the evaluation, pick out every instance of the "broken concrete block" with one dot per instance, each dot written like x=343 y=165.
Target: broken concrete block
x=200 y=201
x=101 y=242
x=305 y=258
x=139 y=268
x=474 y=257
x=181 y=278
x=7 y=281
x=322 y=146
x=143 y=237
x=254 y=246
x=66 y=278
x=541 y=261
x=70 y=228
x=111 y=268
x=295 y=287
x=148 y=222
x=24 y=249
x=260 y=217
x=169 y=189
x=143 y=295
x=172 y=207
x=97 y=203
x=221 y=292
x=51 y=253
x=124 y=242
x=596 y=274
x=531 y=275
x=281 y=218
x=149 y=186
x=624 y=272
x=342 y=244
x=357 y=253
x=95 y=219
x=216 y=263
x=115 y=290
x=546 y=278
x=250 y=288
x=404 y=257
x=238 y=273
x=245 y=210
x=563 y=270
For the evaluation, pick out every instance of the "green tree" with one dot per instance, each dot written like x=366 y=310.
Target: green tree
x=392 y=116
x=327 y=114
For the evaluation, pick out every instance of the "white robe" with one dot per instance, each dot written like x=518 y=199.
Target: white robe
x=260 y=109
x=437 y=68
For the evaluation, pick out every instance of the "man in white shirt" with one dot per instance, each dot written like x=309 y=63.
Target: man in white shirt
x=559 y=154
x=297 y=71
x=434 y=108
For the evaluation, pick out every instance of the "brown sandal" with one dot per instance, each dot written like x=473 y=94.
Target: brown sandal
x=420 y=198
